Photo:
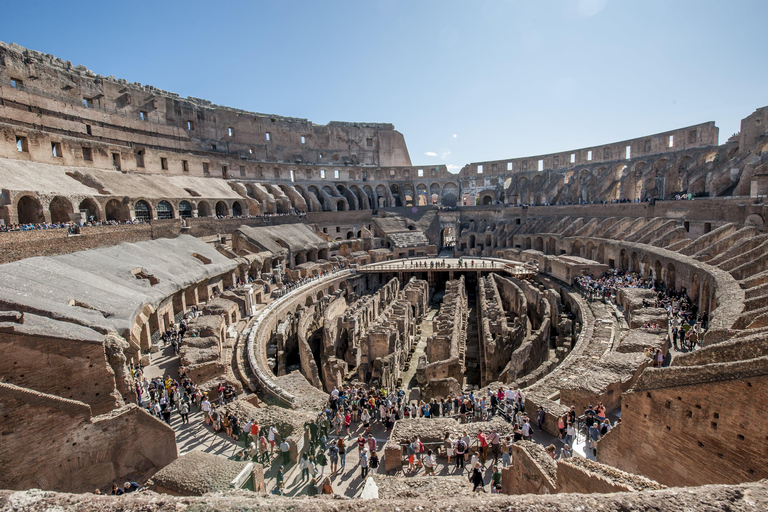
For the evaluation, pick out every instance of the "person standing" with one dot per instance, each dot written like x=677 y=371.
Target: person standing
x=461 y=448
x=184 y=412
x=429 y=464
x=285 y=448
x=476 y=477
x=364 y=464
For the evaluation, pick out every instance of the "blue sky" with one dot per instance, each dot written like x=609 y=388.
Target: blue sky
x=464 y=81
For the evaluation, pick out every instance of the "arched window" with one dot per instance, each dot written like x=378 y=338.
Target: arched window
x=142 y=210
x=164 y=210
x=237 y=210
x=185 y=210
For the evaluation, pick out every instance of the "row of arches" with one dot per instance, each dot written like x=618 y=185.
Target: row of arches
x=30 y=210
x=281 y=198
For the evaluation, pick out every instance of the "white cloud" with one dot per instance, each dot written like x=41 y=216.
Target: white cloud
x=453 y=167
x=455 y=136
x=444 y=155
x=430 y=153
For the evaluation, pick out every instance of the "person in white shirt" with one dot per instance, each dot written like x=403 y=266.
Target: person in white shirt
x=205 y=406
x=271 y=438
x=429 y=464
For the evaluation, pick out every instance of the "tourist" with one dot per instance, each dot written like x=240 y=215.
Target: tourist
x=374 y=460
x=342 y=453
x=321 y=461
x=271 y=438
x=327 y=488
x=333 y=454
x=285 y=449
x=593 y=436
x=363 y=461
x=476 y=478
x=448 y=444
x=495 y=480
x=312 y=488
x=482 y=443
x=494 y=441
x=129 y=487
x=304 y=466
x=184 y=412
x=565 y=452
x=429 y=464
x=570 y=432
x=461 y=449
x=264 y=450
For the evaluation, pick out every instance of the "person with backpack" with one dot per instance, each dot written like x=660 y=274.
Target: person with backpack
x=461 y=449
x=333 y=454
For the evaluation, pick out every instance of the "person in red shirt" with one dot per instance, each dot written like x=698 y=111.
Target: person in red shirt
x=482 y=441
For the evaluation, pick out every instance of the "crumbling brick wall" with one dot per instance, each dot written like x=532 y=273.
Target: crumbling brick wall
x=55 y=444
x=709 y=420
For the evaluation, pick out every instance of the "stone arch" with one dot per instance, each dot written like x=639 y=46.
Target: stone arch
x=670 y=277
x=90 y=208
x=142 y=210
x=636 y=263
x=645 y=266
x=60 y=209
x=624 y=260
x=237 y=209
x=300 y=257
x=590 y=250
x=29 y=210
x=185 y=210
x=601 y=253
x=450 y=195
x=576 y=248
x=551 y=246
x=164 y=210
x=203 y=209
x=408 y=196
x=657 y=271
x=471 y=242
x=693 y=291
x=114 y=210
x=527 y=243
x=395 y=190
x=487 y=200
x=421 y=195
x=221 y=209
x=538 y=244
x=382 y=198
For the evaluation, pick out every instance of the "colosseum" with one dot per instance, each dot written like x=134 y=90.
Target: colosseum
x=217 y=305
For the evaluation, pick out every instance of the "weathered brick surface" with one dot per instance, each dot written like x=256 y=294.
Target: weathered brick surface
x=694 y=425
x=72 y=451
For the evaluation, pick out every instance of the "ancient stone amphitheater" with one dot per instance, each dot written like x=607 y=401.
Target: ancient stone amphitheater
x=318 y=255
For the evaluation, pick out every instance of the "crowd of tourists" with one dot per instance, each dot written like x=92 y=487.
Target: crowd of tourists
x=605 y=287
x=73 y=227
